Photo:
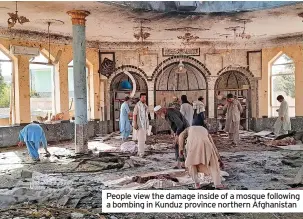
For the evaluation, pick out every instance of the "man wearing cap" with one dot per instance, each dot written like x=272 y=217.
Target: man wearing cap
x=178 y=124
x=175 y=104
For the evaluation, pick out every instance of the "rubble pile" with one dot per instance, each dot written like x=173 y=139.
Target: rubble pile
x=71 y=182
x=140 y=179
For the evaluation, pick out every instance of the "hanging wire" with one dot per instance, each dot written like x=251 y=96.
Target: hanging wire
x=48 y=23
x=234 y=58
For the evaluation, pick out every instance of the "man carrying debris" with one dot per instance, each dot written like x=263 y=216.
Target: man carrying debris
x=125 y=127
x=233 y=110
x=141 y=123
x=282 y=124
x=33 y=135
x=201 y=154
x=178 y=124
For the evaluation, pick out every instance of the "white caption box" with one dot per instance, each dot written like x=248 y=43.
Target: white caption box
x=194 y=201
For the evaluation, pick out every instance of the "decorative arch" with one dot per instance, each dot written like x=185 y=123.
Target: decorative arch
x=87 y=63
x=242 y=70
x=45 y=53
x=43 y=92
x=168 y=84
x=278 y=55
x=176 y=59
x=240 y=82
x=7 y=53
x=232 y=79
x=129 y=68
x=114 y=81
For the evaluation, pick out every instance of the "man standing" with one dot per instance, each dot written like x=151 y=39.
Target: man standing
x=141 y=123
x=33 y=135
x=187 y=109
x=282 y=124
x=202 y=155
x=233 y=110
x=178 y=124
x=199 y=106
x=199 y=111
x=125 y=126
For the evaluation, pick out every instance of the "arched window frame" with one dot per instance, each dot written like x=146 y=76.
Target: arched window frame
x=33 y=61
x=274 y=105
x=4 y=58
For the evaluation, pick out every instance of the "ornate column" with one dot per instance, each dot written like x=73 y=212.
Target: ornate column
x=79 y=58
x=151 y=97
x=211 y=80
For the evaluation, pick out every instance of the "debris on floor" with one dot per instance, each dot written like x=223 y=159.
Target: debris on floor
x=69 y=181
x=263 y=133
x=129 y=147
x=297 y=147
x=282 y=142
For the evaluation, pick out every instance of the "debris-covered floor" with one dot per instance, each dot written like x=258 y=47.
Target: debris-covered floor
x=70 y=186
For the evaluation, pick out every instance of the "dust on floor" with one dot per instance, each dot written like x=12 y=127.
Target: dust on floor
x=66 y=185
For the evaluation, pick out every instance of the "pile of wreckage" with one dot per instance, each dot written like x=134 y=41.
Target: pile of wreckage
x=290 y=141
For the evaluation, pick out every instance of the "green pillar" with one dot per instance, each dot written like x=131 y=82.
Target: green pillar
x=80 y=89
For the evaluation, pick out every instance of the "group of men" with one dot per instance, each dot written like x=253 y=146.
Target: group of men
x=187 y=124
x=194 y=146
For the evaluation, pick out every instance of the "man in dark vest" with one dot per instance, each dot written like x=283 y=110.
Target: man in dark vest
x=178 y=124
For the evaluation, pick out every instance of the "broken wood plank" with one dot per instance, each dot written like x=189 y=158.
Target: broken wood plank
x=263 y=133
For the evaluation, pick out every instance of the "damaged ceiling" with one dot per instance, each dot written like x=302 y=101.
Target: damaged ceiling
x=116 y=22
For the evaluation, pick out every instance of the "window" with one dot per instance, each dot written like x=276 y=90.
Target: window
x=71 y=88
x=42 y=95
x=6 y=69
x=283 y=83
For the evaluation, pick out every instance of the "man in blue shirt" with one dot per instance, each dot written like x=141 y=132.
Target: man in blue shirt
x=33 y=135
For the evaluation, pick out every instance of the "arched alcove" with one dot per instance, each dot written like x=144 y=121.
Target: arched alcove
x=118 y=92
x=169 y=81
x=237 y=83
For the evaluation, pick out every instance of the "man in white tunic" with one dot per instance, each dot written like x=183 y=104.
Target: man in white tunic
x=233 y=111
x=199 y=106
x=282 y=125
x=187 y=110
x=141 y=123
